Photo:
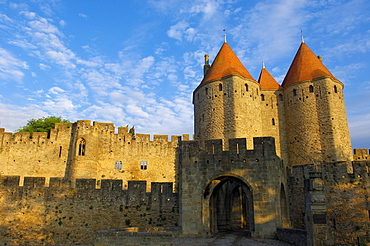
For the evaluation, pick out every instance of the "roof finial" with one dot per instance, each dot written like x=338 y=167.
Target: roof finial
x=302 y=39
x=263 y=64
x=225 y=36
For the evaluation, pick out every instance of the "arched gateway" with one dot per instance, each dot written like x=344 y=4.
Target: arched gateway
x=230 y=204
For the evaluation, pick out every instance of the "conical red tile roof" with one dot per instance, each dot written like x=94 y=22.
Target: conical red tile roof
x=267 y=81
x=226 y=63
x=305 y=66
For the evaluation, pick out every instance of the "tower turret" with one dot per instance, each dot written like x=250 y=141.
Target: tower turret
x=206 y=65
x=316 y=123
x=272 y=110
x=226 y=103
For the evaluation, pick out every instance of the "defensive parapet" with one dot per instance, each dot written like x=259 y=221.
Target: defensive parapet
x=82 y=126
x=361 y=154
x=56 y=214
x=263 y=147
x=135 y=194
x=60 y=129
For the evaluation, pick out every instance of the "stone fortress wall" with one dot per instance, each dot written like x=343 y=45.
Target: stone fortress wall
x=89 y=151
x=35 y=214
x=339 y=211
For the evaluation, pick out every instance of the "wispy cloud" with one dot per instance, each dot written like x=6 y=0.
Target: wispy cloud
x=11 y=68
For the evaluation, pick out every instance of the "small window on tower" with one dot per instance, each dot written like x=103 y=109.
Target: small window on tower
x=280 y=97
x=246 y=87
x=81 y=147
x=273 y=121
x=311 y=88
x=119 y=165
x=206 y=91
x=143 y=165
x=294 y=92
x=220 y=87
x=262 y=97
x=335 y=89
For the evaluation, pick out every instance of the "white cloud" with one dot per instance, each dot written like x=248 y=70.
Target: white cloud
x=176 y=31
x=83 y=15
x=43 y=25
x=13 y=117
x=11 y=67
x=56 y=90
x=29 y=15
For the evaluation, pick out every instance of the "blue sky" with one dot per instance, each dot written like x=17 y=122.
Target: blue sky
x=136 y=62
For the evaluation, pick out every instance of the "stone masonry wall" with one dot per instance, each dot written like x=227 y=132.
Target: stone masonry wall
x=347 y=199
x=227 y=108
x=201 y=169
x=57 y=215
x=316 y=123
x=107 y=155
x=361 y=155
x=273 y=119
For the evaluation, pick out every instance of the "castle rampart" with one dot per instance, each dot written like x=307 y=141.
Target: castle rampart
x=89 y=151
x=37 y=214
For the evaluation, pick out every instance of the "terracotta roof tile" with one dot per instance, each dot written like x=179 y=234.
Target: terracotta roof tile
x=305 y=66
x=226 y=63
x=267 y=81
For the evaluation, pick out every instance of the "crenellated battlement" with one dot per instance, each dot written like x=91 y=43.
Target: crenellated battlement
x=361 y=154
x=262 y=146
x=336 y=172
x=135 y=193
x=82 y=127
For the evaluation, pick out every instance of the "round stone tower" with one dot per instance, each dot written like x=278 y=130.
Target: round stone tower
x=227 y=101
x=316 y=123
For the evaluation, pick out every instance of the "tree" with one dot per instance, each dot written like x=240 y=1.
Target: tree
x=44 y=124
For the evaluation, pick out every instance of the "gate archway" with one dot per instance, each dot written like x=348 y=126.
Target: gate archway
x=231 y=205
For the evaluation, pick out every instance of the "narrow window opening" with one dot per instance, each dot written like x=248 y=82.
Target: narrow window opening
x=294 y=92
x=246 y=87
x=161 y=189
x=143 y=165
x=220 y=87
x=237 y=148
x=273 y=121
x=262 y=97
x=82 y=147
x=280 y=97
x=213 y=148
x=118 y=165
x=311 y=88
x=60 y=151
x=335 y=89
x=206 y=91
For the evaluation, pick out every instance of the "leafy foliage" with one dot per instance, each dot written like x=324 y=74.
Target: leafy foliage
x=44 y=124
